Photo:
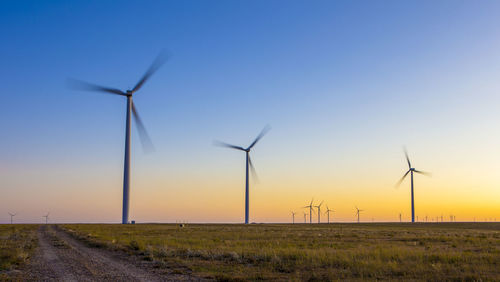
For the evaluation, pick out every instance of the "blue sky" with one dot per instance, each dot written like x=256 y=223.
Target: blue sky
x=344 y=84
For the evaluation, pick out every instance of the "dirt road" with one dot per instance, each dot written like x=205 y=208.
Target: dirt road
x=63 y=258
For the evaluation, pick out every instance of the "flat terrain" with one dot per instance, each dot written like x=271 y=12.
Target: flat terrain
x=312 y=252
x=152 y=252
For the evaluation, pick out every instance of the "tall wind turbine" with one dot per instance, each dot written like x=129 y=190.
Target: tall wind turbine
x=305 y=217
x=319 y=211
x=131 y=110
x=310 y=206
x=328 y=210
x=248 y=164
x=411 y=170
x=293 y=217
x=357 y=212
x=11 y=217
x=46 y=218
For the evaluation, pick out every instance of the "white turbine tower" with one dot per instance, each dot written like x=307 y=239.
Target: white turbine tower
x=328 y=210
x=11 y=217
x=411 y=170
x=46 y=218
x=319 y=211
x=310 y=206
x=248 y=165
x=357 y=212
x=131 y=110
x=293 y=217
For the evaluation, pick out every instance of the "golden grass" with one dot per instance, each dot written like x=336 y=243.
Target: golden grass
x=17 y=243
x=447 y=251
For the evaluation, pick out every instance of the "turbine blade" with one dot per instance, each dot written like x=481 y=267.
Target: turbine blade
x=262 y=133
x=157 y=63
x=401 y=180
x=222 y=144
x=424 y=173
x=252 y=168
x=85 y=86
x=407 y=158
x=147 y=145
x=320 y=203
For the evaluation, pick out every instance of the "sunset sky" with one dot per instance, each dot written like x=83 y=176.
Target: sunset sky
x=343 y=84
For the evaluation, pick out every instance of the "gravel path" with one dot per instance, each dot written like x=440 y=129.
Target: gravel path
x=60 y=257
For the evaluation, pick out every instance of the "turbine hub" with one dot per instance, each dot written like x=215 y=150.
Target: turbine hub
x=412 y=169
x=129 y=92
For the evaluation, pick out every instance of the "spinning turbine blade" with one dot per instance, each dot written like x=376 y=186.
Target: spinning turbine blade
x=401 y=180
x=146 y=142
x=222 y=144
x=407 y=158
x=262 y=133
x=423 y=172
x=252 y=168
x=82 y=85
x=158 y=62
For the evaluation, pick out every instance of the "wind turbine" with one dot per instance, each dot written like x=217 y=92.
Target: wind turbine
x=399 y=217
x=46 y=218
x=328 y=210
x=11 y=216
x=305 y=217
x=293 y=217
x=131 y=109
x=248 y=164
x=319 y=211
x=411 y=170
x=357 y=212
x=310 y=206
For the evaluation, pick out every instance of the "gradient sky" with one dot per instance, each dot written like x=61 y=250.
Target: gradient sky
x=344 y=85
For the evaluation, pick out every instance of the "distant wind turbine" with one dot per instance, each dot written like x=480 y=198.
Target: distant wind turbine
x=11 y=217
x=310 y=206
x=357 y=212
x=293 y=217
x=248 y=164
x=411 y=170
x=319 y=211
x=131 y=110
x=305 y=217
x=328 y=210
x=399 y=217
x=46 y=218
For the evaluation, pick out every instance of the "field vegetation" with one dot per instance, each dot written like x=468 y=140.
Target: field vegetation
x=438 y=251
x=17 y=244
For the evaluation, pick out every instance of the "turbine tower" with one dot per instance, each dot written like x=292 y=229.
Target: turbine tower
x=11 y=217
x=310 y=206
x=319 y=211
x=248 y=164
x=131 y=110
x=328 y=210
x=357 y=212
x=305 y=217
x=411 y=170
x=46 y=218
x=293 y=217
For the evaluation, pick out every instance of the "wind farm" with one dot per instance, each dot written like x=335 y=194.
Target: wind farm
x=345 y=86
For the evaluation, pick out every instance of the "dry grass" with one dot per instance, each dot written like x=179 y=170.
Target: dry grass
x=446 y=251
x=17 y=243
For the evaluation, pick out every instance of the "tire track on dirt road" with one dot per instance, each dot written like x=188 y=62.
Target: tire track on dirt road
x=60 y=257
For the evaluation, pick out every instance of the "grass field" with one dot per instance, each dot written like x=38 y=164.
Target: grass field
x=443 y=251
x=17 y=243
